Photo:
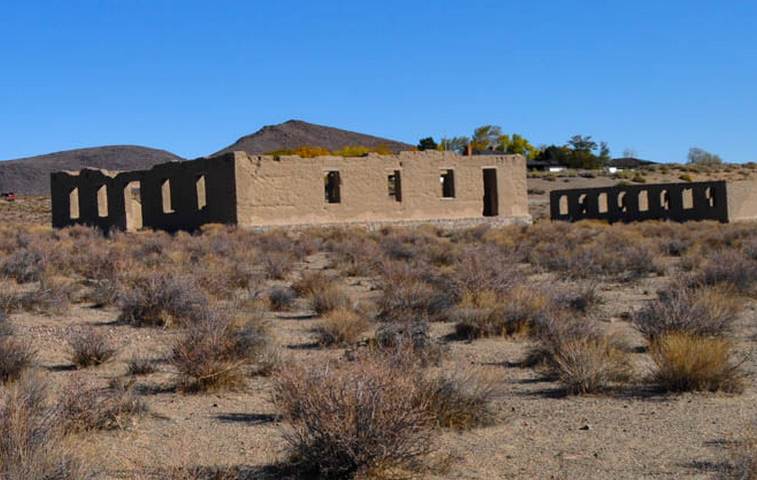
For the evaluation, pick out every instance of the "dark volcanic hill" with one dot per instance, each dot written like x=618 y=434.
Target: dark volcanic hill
x=31 y=175
x=296 y=133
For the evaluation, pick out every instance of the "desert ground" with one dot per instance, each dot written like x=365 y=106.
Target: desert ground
x=552 y=351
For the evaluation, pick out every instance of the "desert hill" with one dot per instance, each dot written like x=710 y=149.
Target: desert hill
x=31 y=175
x=296 y=133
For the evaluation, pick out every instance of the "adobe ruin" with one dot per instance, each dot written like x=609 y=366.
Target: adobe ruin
x=691 y=201
x=262 y=191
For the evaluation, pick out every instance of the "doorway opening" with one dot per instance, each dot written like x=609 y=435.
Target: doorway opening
x=491 y=198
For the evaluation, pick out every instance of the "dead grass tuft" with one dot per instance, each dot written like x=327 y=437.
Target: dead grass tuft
x=341 y=327
x=686 y=362
x=329 y=297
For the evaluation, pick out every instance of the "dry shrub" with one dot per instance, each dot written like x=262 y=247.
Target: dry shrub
x=15 y=355
x=459 y=401
x=110 y=408
x=215 y=352
x=408 y=343
x=221 y=278
x=578 y=297
x=486 y=268
x=590 y=365
x=687 y=362
x=409 y=300
x=25 y=265
x=161 y=299
x=729 y=268
x=341 y=327
x=484 y=314
x=704 y=312
x=90 y=348
x=363 y=418
x=310 y=282
x=31 y=446
x=329 y=297
x=139 y=365
x=277 y=265
x=281 y=298
x=53 y=296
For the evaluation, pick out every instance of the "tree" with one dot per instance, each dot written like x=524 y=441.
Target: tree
x=604 y=153
x=700 y=156
x=581 y=143
x=486 y=138
x=454 y=144
x=630 y=152
x=427 y=143
x=516 y=145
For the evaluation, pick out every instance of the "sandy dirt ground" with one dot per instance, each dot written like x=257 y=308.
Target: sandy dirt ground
x=539 y=434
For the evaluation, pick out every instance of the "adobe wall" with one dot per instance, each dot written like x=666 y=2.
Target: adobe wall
x=164 y=197
x=630 y=203
x=742 y=200
x=290 y=190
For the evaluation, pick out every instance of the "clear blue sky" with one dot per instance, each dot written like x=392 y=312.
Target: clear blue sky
x=192 y=76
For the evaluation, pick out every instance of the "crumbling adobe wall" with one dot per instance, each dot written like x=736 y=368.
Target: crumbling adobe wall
x=290 y=190
x=166 y=197
x=630 y=203
x=742 y=200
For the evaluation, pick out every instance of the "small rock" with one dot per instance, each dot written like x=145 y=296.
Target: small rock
x=585 y=427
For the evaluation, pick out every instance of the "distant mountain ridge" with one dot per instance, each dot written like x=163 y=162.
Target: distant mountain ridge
x=293 y=134
x=31 y=175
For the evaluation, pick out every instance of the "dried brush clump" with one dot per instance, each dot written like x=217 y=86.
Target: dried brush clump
x=340 y=327
x=32 y=446
x=161 y=299
x=590 y=365
x=24 y=265
x=214 y=353
x=365 y=418
x=704 y=311
x=329 y=297
x=281 y=298
x=486 y=314
x=140 y=365
x=111 y=408
x=16 y=355
x=89 y=348
x=687 y=362
x=53 y=296
x=408 y=343
x=729 y=268
x=458 y=401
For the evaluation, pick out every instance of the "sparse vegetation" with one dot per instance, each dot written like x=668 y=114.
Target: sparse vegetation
x=89 y=348
x=686 y=362
x=340 y=327
x=215 y=352
x=359 y=419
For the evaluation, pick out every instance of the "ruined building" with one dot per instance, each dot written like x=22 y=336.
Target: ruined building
x=717 y=200
x=253 y=191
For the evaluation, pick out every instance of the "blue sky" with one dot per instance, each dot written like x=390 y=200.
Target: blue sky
x=192 y=76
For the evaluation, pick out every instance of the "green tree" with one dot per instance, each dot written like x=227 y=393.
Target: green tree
x=486 y=138
x=604 y=153
x=427 y=143
x=454 y=144
x=700 y=156
x=516 y=145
